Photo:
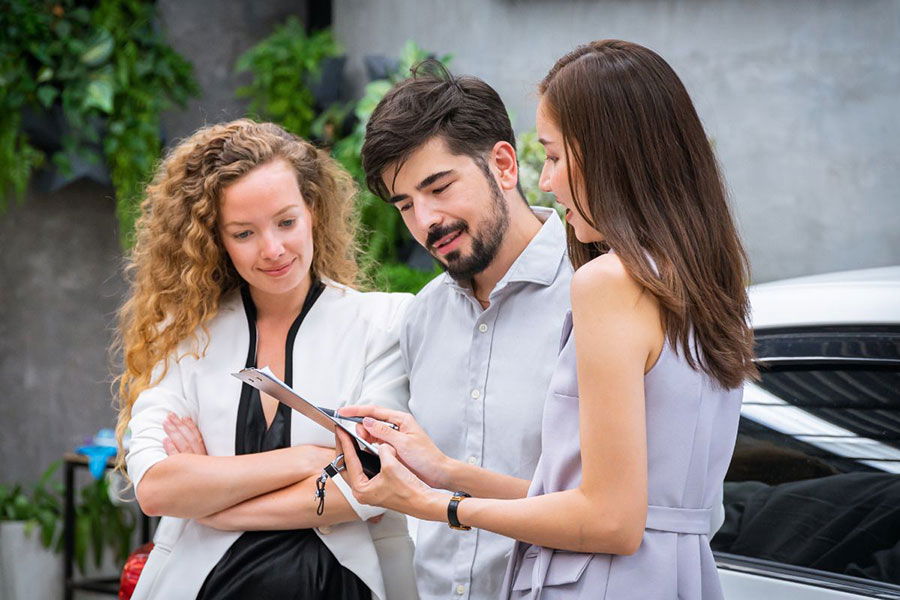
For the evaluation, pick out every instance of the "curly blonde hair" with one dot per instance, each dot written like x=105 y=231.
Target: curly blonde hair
x=178 y=269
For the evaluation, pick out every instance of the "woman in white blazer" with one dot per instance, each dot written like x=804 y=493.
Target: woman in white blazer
x=244 y=256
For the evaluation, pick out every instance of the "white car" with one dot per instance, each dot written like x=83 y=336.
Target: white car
x=812 y=496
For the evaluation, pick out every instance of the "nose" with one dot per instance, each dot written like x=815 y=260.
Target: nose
x=544 y=179
x=271 y=246
x=426 y=216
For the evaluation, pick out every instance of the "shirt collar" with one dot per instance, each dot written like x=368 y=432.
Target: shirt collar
x=539 y=262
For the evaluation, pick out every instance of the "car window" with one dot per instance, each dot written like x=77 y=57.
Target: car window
x=815 y=477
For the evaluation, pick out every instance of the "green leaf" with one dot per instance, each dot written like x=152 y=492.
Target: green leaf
x=63 y=28
x=44 y=75
x=99 y=95
x=99 y=49
x=47 y=94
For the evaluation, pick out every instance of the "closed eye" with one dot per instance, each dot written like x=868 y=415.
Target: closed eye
x=442 y=188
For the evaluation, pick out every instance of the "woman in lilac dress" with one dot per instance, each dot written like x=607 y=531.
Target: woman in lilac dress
x=641 y=418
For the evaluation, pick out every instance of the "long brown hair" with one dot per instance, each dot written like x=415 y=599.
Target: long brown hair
x=654 y=188
x=179 y=270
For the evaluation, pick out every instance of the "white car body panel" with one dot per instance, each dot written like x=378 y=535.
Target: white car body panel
x=744 y=586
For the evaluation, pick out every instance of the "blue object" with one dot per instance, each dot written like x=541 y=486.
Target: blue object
x=97 y=457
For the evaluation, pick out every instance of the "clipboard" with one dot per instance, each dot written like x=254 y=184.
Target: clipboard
x=266 y=381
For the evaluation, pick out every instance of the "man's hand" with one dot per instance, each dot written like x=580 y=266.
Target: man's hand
x=183 y=436
x=413 y=446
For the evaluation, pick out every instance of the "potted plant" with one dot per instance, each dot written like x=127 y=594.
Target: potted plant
x=31 y=524
x=30 y=532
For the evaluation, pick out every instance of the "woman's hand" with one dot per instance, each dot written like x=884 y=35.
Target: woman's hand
x=395 y=487
x=413 y=446
x=183 y=436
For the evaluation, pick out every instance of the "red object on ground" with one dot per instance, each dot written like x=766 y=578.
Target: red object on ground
x=131 y=572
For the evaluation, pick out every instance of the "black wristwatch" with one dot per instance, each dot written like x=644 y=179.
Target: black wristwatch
x=452 y=519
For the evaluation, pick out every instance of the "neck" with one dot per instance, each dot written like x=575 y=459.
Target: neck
x=280 y=307
x=523 y=226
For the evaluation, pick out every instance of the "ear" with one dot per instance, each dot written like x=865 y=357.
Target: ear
x=504 y=162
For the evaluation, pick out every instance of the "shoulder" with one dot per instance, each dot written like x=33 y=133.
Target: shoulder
x=434 y=292
x=381 y=309
x=220 y=331
x=435 y=287
x=605 y=279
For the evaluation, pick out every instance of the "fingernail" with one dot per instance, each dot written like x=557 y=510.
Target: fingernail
x=368 y=422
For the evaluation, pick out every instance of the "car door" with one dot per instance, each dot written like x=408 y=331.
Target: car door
x=812 y=496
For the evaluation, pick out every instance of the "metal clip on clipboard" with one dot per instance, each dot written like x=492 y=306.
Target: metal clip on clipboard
x=266 y=381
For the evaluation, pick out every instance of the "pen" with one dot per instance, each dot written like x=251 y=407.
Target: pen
x=334 y=415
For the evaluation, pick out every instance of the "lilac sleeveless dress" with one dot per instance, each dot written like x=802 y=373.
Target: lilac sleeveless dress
x=691 y=429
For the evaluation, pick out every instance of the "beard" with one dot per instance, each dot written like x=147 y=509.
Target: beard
x=485 y=241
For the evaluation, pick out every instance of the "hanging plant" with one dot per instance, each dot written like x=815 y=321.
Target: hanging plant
x=106 y=69
x=284 y=67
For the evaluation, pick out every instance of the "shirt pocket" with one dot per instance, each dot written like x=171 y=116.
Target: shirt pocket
x=565 y=568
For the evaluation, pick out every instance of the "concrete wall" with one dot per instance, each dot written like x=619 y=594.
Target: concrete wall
x=801 y=99
x=59 y=259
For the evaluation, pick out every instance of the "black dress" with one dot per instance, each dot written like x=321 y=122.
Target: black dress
x=277 y=564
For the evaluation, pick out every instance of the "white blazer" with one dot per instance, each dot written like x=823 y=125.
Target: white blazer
x=346 y=352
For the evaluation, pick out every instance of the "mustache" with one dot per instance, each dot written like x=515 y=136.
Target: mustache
x=439 y=231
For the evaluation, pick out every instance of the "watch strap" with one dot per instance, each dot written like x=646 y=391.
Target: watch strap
x=452 y=518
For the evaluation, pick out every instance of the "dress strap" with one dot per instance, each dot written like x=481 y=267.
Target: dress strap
x=679 y=520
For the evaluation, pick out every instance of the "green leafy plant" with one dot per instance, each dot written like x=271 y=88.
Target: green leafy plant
x=283 y=65
x=107 y=69
x=40 y=508
x=99 y=524
x=531 y=161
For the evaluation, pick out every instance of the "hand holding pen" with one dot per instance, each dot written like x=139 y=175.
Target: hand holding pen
x=335 y=414
x=413 y=446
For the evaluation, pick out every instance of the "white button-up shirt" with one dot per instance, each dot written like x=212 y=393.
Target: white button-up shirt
x=478 y=378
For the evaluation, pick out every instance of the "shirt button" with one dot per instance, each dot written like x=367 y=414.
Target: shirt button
x=476 y=394
x=460 y=589
x=472 y=460
x=482 y=328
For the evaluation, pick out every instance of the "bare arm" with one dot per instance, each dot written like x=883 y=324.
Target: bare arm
x=617 y=331
x=416 y=450
x=191 y=485
x=292 y=507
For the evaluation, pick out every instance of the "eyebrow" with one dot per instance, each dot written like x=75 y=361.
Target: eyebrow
x=422 y=184
x=276 y=215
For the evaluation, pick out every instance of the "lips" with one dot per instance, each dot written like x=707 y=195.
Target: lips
x=279 y=270
x=442 y=240
x=445 y=242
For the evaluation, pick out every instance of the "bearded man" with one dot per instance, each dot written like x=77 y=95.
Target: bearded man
x=480 y=341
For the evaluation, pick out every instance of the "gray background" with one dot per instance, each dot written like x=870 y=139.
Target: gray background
x=800 y=99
